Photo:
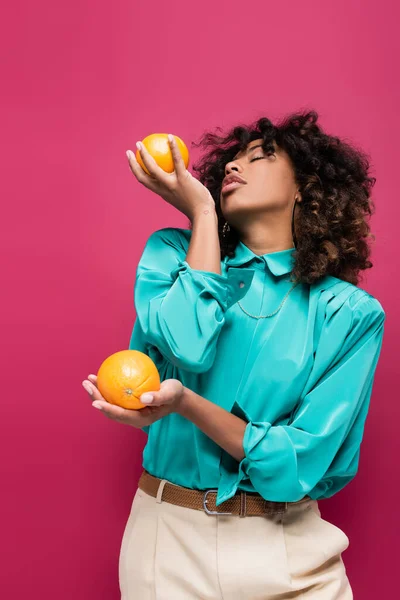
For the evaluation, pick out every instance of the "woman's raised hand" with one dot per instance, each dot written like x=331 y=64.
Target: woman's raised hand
x=179 y=188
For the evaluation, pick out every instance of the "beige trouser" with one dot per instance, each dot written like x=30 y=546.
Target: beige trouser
x=170 y=552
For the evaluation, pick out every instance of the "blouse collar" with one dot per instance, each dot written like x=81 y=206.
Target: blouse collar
x=279 y=263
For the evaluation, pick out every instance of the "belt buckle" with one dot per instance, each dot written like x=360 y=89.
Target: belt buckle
x=212 y=512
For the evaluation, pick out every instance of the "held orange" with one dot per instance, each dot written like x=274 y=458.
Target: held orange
x=158 y=146
x=124 y=376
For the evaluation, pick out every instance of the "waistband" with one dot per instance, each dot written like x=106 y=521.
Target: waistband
x=242 y=504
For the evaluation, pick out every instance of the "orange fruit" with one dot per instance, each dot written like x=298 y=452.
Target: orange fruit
x=157 y=145
x=124 y=376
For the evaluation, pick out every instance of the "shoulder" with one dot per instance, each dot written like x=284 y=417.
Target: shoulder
x=343 y=312
x=335 y=295
x=163 y=250
x=174 y=236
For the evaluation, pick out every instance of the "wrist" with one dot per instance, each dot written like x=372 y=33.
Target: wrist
x=183 y=404
x=206 y=210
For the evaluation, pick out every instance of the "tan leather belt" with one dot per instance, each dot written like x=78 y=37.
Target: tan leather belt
x=242 y=504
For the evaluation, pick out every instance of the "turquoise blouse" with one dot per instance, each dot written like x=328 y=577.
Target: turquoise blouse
x=301 y=379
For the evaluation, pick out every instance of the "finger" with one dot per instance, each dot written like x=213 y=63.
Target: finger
x=134 y=418
x=179 y=164
x=93 y=391
x=113 y=411
x=93 y=379
x=154 y=169
x=140 y=174
x=159 y=398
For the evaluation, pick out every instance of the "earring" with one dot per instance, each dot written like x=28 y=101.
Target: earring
x=293 y=233
x=225 y=229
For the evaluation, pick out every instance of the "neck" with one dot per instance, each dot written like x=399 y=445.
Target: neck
x=263 y=239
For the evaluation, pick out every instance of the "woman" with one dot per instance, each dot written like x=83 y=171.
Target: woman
x=267 y=351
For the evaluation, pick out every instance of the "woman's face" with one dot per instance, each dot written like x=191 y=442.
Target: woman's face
x=270 y=184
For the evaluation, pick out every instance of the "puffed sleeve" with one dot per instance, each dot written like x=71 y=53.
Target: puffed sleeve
x=182 y=310
x=322 y=439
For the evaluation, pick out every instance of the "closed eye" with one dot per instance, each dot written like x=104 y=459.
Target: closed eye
x=260 y=157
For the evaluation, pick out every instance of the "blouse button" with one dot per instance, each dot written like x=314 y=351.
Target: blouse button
x=241 y=284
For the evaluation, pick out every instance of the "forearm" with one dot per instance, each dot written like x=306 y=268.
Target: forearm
x=204 y=251
x=224 y=428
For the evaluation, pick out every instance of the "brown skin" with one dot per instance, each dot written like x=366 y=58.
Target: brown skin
x=224 y=428
x=261 y=210
x=179 y=188
x=166 y=401
x=188 y=195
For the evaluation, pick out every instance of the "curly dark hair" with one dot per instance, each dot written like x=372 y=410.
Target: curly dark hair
x=331 y=228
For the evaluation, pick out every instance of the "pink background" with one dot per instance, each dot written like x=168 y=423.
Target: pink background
x=81 y=83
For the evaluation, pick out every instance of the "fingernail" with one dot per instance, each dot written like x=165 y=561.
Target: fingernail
x=95 y=405
x=147 y=398
x=128 y=154
x=138 y=145
x=170 y=137
x=87 y=387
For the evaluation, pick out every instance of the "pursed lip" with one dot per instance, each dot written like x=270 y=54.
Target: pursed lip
x=231 y=183
x=229 y=187
x=231 y=179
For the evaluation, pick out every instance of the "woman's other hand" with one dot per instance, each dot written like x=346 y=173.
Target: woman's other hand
x=179 y=188
x=166 y=400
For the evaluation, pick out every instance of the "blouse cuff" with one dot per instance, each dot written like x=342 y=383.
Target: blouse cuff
x=232 y=472
x=226 y=289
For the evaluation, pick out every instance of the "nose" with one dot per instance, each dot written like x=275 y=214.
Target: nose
x=231 y=166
